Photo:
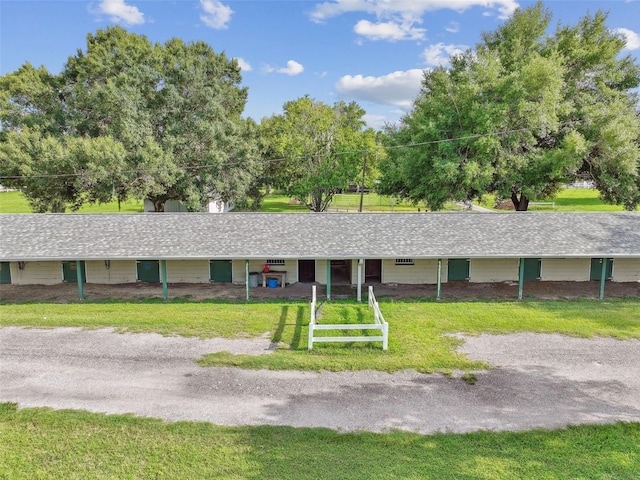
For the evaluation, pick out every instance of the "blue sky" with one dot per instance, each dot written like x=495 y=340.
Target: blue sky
x=370 y=51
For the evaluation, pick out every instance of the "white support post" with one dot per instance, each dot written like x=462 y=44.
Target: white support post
x=385 y=335
x=359 y=290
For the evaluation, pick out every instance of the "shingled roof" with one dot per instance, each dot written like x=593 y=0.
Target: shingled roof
x=321 y=235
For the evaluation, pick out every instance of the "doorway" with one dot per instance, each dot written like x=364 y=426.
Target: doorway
x=372 y=271
x=70 y=272
x=220 y=271
x=148 y=271
x=306 y=271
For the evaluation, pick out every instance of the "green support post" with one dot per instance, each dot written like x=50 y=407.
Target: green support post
x=163 y=274
x=328 y=279
x=80 y=278
x=246 y=277
x=520 y=278
x=439 y=280
x=603 y=278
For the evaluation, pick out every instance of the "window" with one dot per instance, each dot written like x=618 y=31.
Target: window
x=404 y=261
x=275 y=261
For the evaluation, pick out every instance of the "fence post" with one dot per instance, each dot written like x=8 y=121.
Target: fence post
x=385 y=336
x=312 y=320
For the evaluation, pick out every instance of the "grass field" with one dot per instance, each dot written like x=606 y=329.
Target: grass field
x=417 y=337
x=569 y=200
x=40 y=443
x=14 y=202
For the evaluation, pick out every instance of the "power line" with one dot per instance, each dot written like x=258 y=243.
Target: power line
x=286 y=159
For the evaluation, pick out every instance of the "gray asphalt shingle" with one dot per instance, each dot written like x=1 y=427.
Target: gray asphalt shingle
x=307 y=235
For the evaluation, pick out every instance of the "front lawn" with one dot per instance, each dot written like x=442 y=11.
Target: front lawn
x=417 y=330
x=40 y=443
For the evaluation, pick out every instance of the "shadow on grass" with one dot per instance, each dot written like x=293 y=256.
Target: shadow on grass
x=297 y=327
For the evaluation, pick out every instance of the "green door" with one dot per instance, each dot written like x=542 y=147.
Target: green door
x=596 y=268
x=5 y=272
x=532 y=268
x=458 y=269
x=70 y=273
x=220 y=270
x=148 y=271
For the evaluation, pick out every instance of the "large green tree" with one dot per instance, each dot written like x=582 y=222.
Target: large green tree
x=520 y=115
x=174 y=108
x=321 y=149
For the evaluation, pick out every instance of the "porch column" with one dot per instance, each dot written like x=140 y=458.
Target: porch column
x=359 y=287
x=439 y=280
x=163 y=274
x=328 y=279
x=603 y=278
x=80 y=278
x=246 y=278
x=520 y=277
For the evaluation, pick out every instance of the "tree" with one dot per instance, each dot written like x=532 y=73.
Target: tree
x=56 y=173
x=175 y=108
x=322 y=149
x=519 y=116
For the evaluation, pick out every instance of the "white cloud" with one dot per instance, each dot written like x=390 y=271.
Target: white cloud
x=215 y=14
x=453 y=27
x=391 y=31
x=631 y=37
x=243 y=64
x=439 y=54
x=293 y=68
x=119 y=11
x=377 y=122
x=407 y=9
x=397 y=88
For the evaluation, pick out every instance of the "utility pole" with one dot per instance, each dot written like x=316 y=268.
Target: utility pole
x=364 y=167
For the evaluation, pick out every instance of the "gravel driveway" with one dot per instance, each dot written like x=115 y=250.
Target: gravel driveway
x=542 y=381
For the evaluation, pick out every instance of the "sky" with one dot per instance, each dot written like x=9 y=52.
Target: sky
x=373 y=52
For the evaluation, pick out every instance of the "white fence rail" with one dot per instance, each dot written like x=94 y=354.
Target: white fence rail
x=379 y=324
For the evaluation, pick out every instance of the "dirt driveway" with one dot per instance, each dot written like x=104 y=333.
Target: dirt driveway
x=68 y=292
x=544 y=381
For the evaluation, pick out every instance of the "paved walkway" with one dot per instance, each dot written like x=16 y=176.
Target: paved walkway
x=543 y=381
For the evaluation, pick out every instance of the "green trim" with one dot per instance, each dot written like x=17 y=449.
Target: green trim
x=439 y=280
x=328 y=279
x=163 y=275
x=246 y=278
x=80 y=278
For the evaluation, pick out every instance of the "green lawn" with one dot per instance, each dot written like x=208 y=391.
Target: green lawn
x=568 y=200
x=417 y=337
x=14 y=202
x=40 y=443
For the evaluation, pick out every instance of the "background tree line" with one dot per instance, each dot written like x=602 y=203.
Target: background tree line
x=518 y=116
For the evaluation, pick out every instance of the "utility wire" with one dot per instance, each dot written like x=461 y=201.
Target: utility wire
x=285 y=159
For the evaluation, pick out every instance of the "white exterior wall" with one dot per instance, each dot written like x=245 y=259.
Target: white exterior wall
x=238 y=273
x=626 y=270
x=421 y=272
x=119 y=271
x=321 y=272
x=493 y=270
x=37 y=273
x=187 y=271
x=566 y=269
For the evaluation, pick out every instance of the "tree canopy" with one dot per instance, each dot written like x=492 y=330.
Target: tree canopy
x=321 y=147
x=162 y=122
x=520 y=115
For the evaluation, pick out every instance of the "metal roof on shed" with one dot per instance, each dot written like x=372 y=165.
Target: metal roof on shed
x=30 y=237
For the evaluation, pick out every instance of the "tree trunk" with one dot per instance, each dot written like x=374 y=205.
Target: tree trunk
x=521 y=204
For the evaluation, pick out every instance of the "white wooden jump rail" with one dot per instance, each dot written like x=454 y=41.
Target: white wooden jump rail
x=549 y=204
x=379 y=324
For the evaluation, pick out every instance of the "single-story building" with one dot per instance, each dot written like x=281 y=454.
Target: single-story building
x=327 y=248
